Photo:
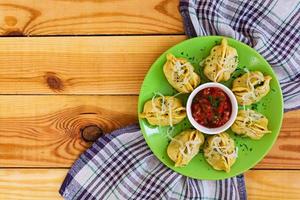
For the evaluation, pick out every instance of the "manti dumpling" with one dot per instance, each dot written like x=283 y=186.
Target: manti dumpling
x=184 y=146
x=220 y=151
x=250 y=123
x=180 y=74
x=163 y=111
x=251 y=87
x=221 y=62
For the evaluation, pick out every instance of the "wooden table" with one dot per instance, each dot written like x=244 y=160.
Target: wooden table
x=84 y=65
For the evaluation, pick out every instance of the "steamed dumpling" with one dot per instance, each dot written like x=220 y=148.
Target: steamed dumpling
x=180 y=74
x=185 y=146
x=220 y=151
x=250 y=123
x=251 y=87
x=221 y=62
x=163 y=111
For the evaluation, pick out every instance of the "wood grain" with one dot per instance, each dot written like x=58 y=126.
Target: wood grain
x=273 y=184
x=44 y=131
x=286 y=151
x=78 y=65
x=31 y=184
x=81 y=17
x=20 y=184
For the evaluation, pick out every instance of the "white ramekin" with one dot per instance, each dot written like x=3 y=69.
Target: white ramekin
x=234 y=109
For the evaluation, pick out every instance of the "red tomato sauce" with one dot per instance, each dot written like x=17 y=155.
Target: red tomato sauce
x=211 y=107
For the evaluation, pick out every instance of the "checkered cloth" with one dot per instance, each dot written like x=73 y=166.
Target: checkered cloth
x=272 y=27
x=120 y=165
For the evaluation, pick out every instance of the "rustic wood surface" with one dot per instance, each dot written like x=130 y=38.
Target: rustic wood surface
x=45 y=131
x=66 y=17
x=78 y=65
x=53 y=87
x=48 y=131
x=31 y=184
x=19 y=184
x=273 y=184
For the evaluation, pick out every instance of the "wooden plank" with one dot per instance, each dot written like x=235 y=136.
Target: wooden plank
x=19 y=184
x=47 y=132
x=56 y=17
x=31 y=184
x=286 y=151
x=273 y=184
x=78 y=65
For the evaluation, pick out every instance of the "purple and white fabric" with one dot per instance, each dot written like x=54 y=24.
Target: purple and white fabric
x=121 y=166
x=272 y=27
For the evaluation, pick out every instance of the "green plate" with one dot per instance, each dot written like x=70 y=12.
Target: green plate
x=250 y=151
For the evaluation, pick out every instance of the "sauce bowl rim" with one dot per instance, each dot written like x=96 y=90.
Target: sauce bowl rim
x=234 y=109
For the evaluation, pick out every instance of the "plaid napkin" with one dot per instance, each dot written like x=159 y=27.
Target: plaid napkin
x=272 y=27
x=121 y=166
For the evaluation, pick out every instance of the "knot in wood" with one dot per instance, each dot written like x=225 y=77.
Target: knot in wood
x=91 y=133
x=53 y=81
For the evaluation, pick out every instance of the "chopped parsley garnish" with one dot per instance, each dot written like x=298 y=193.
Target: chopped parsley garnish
x=214 y=102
